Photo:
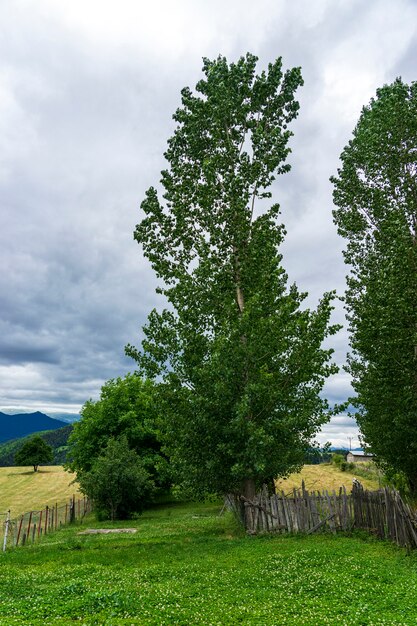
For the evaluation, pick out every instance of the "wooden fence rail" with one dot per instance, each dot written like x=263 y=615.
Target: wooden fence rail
x=30 y=526
x=381 y=512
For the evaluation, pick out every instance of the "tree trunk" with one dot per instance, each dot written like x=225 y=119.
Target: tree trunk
x=248 y=488
x=240 y=299
x=412 y=483
x=248 y=492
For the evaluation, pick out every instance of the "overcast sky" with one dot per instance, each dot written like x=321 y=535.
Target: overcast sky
x=87 y=93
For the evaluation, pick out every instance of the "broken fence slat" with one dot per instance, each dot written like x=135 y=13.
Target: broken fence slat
x=322 y=523
x=258 y=506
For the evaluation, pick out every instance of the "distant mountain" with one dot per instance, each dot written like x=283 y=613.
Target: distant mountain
x=57 y=439
x=69 y=418
x=22 y=424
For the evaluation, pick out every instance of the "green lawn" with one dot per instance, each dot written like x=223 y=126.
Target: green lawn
x=186 y=565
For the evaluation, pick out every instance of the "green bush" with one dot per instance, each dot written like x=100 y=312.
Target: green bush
x=344 y=466
x=118 y=482
x=338 y=459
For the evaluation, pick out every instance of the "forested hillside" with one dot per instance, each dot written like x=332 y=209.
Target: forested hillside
x=57 y=439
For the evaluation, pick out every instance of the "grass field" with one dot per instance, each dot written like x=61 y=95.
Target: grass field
x=22 y=489
x=187 y=565
x=318 y=477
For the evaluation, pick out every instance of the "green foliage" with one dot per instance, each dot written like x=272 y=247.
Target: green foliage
x=117 y=482
x=34 y=452
x=399 y=481
x=126 y=408
x=241 y=363
x=338 y=459
x=376 y=195
x=367 y=470
x=317 y=454
x=187 y=565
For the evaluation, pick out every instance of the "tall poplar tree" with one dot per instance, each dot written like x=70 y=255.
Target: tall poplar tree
x=241 y=363
x=375 y=192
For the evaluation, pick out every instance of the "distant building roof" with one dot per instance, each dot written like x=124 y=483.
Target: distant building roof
x=360 y=453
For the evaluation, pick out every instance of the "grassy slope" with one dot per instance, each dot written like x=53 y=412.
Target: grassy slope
x=318 y=477
x=22 y=489
x=186 y=565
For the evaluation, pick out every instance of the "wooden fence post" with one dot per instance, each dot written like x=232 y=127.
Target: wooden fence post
x=40 y=523
x=6 y=530
x=46 y=520
x=72 y=510
x=29 y=523
x=18 y=532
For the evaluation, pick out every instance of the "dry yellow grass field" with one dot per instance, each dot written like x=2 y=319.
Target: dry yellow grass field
x=22 y=489
x=318 y=477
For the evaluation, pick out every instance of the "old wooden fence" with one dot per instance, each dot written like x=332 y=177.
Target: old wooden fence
x=382 y=512
x=30 y=526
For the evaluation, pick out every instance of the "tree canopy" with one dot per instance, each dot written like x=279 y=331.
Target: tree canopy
x=34 y=452
x=126 y=408
x=375 y=192
x=240 y=360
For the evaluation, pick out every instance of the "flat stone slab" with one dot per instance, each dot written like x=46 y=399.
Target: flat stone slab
x=106 y=531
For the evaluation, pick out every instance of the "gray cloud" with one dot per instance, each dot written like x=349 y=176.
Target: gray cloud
x=21 y=354
x=342 y=431
x=87 y=91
